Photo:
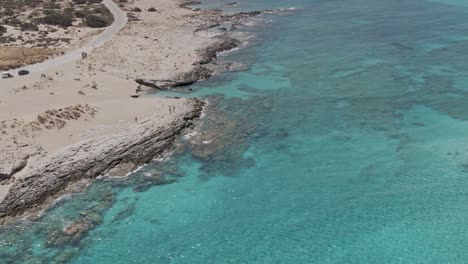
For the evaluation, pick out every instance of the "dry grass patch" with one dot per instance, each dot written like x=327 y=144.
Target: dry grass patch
x=12 y=57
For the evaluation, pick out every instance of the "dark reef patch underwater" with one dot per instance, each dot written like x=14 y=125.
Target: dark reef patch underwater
x=346 y=141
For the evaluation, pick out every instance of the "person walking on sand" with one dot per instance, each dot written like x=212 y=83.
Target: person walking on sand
x=136 y=119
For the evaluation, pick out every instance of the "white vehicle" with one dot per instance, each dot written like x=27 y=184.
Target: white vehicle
x=6 y=75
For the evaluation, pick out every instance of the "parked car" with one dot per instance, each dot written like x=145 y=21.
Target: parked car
x=6 y=75
x=23 y=72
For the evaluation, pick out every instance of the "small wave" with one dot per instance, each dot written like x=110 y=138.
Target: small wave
x=191 y=134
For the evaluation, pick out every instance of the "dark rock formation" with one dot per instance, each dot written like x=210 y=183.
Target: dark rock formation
x=95 y=157
x=198 y=73
x=186 y=4
x=74 y=232
x=225 y=134
x=232 y=4
x=245 y=15
x=224 y=44
x=6 y=172
x=213 y=18
x=144 y=183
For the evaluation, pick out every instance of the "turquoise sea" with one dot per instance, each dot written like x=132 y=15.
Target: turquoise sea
x=347 y=142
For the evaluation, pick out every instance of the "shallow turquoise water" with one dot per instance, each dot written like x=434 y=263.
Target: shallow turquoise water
x=350 y=146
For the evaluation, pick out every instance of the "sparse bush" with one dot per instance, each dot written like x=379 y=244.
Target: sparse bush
x=100 y=10
x=34 y=14
x=8 y=12
x=52 y=5
x=136 y=9
x=3 y=30
x=69 y=11
x=152 y=9
x=58 y=19
x=29 y=27
x=95 y=21
x=12 y=22
x=80 y=13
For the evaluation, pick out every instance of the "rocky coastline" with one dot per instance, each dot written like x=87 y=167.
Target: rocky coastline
x=114 y=156
x=132 y=147
x=224 y=27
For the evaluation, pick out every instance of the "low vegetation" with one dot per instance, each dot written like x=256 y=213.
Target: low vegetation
x=28 y=15
x=96 y=21
x=42 y=28
x=58 y=19
x=2 y=30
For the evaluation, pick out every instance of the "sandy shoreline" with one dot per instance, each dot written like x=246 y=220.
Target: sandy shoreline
x=89 y=117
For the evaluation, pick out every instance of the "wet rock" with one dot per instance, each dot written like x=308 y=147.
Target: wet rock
x=245 y=15
x=224 y=44
x=75 y=231
x=186 y=4
x=147 y=181
x=105 y=202
x=78 y=228
x=32 y=260
x=124 y=213
x=64 y=257
x=122 y=170
x=235 y=66
x=95 y=218
x=224 y=135
x=70 y=235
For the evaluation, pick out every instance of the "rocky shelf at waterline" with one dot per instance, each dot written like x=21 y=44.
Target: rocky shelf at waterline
x=115 y=155
x=224 y=26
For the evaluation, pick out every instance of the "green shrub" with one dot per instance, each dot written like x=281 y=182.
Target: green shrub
x=95 y=21
x=58 y=19
x=29 y=27
x=52 y=5
x=3 y=30
x=12 y=22
x=8 y=12
x=80 y=13
x=69 y=11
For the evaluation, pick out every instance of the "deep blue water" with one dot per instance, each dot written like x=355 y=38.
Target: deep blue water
x=348 y=143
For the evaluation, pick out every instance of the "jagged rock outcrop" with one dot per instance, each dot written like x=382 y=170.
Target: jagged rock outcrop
x=213 y=18
x=211 y=52
x=95 y=157
x=187 y=4
x=14 y=165
x=198 y=73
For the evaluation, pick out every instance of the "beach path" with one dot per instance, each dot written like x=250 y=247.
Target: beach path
x=120 y=19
